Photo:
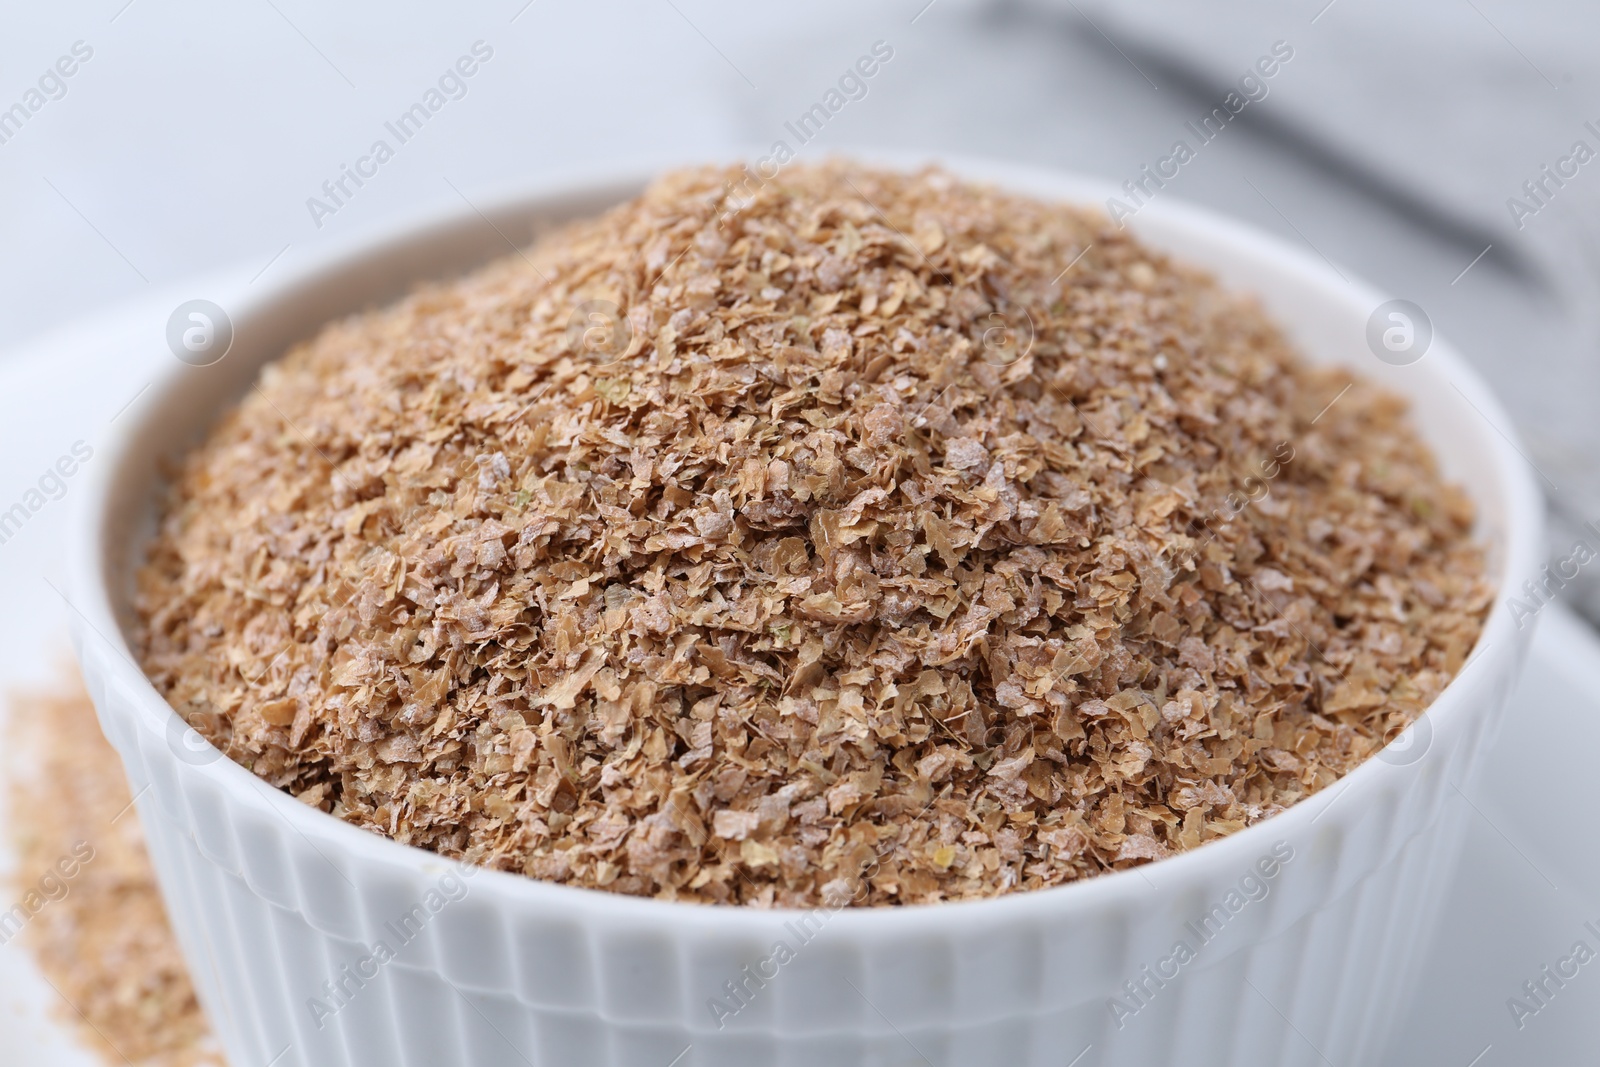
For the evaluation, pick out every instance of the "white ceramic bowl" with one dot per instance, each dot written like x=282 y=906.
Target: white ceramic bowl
x=1305 y=962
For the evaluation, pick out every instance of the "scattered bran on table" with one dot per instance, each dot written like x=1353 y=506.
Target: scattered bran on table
x=872 y=553
x=105 y=946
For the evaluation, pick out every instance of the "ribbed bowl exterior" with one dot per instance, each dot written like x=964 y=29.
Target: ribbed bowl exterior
x=1310 y=973
x=314 y=944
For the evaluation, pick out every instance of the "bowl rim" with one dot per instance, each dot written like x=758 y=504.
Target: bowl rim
x=95 y=618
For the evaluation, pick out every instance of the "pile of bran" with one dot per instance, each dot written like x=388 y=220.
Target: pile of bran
x=98 y=930
x=891 y=525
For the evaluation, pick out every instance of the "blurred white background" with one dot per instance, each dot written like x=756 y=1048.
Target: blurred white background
x=193 y=136
x=1393 y=144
